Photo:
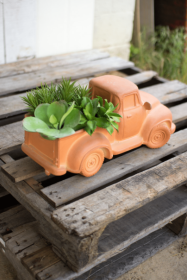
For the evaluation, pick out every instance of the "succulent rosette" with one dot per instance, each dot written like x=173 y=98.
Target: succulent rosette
x=52 y=121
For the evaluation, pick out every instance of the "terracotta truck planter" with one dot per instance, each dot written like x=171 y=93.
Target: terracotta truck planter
x=144 y=121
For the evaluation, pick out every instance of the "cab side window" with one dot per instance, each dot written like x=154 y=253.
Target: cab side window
x=129 y=101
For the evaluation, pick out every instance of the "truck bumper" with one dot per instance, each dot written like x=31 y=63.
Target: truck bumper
x=42 y=160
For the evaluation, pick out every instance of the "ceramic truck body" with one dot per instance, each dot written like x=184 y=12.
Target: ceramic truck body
x=144 y=121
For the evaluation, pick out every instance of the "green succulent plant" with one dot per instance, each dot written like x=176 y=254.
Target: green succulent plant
x=65 y=90
x=94 y=113
x=55 y=120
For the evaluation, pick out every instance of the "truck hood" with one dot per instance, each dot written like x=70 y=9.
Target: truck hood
x=149 y=98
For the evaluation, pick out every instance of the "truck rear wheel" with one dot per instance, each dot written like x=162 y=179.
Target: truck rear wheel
x=92 y=163
x=159 y=136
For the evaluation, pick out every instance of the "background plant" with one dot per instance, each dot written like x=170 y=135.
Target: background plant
x=163 y=52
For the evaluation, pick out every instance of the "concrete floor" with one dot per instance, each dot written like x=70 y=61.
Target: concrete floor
x=169 y=264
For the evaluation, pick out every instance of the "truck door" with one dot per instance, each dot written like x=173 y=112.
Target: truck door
x=134 y=114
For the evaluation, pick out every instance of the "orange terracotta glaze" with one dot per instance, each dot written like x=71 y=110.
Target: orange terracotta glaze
x=144 y=121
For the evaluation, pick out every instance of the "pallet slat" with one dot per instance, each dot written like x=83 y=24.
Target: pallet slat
x=11 y=137
x=179 y=112
x=66 y=190
x=32 y=80
x=165 y=88
x=92 y=213
x=36 y=64
x=142 y=77
x=22 y=169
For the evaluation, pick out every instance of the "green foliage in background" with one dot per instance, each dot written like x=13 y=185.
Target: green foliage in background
x=163 y=52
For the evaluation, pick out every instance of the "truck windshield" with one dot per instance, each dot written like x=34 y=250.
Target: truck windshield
x=101 y=92
x=106 y=95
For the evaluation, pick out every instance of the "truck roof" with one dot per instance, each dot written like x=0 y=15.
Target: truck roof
x=114 y=84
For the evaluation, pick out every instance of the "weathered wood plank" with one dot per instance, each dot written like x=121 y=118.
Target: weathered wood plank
x=179 y=112
x=11 y=137
x=141 y=221
x=40 y=260
x=18 y=217
x=66 y=190
x=179 y=225
x=41 y=211
x=142 y=77
x=173 y=97
x=31 y=80
x=165 y=88
x=89 y=214
x=32 y=65
x=22 y=169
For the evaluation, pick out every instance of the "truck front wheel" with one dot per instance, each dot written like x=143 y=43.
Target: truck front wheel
x=159 y=136
x=92 y=163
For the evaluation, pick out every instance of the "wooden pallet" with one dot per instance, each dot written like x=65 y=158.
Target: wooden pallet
x=88 y=221
x=33 y=258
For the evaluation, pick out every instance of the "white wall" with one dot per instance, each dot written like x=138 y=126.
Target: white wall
x=64 y=26
x=19 y=29
x=47 y=27
x=2 y=54
x=113 y=25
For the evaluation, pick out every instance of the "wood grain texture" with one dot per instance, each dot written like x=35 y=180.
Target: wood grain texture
x=140 y=223
x=66 y=190
x=173 y=97
x=31 y=80
x=142 y=77
x=77 y=252
x=89 y=214
x=40 y=260
x=179 y=112
x=42 y=63
x=14 y=218
x=22 y=169
x=11 y=137
x=165 y=88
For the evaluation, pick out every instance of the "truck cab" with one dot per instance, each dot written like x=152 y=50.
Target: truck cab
x=136 y=108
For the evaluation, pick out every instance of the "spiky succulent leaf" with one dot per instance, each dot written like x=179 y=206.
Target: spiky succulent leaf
x=92 y=125
x=100 y=100
x=82 y=119
x=88 y=111
x=95 y=102
x=102 y=122
x=110 y=129
x=114 y=124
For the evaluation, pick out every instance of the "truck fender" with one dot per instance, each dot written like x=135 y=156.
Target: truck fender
x=85 y=145
x=163 y=115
